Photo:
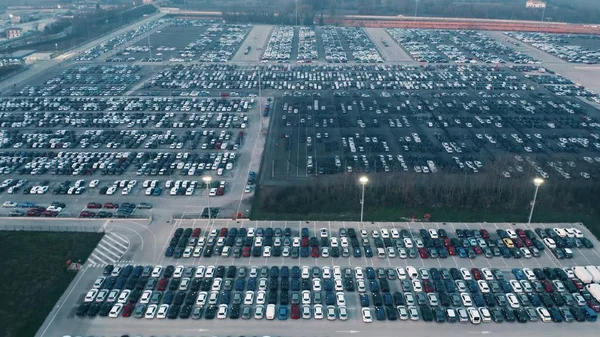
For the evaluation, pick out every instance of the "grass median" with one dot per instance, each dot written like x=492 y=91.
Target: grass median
x=34 y=275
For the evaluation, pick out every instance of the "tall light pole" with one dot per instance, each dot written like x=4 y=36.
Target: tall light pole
x=207 y=181
x=363 y=181
x=537 y=182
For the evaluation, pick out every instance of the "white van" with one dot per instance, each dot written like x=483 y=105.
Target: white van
x=270 y=311
x=474 y=315
x=412 y=272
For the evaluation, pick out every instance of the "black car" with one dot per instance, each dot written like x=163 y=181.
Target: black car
x=93 y=309
x=426 y=313
x=108 y=270
x=82 y=309
x=186 y=311
x=391 y=312
x=210 y=312
x=173 y=311
x=234 y=312
x=105 y=309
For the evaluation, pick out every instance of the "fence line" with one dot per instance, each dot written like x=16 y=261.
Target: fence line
x=51 y=228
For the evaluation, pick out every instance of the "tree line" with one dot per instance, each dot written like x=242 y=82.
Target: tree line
x=476 y=192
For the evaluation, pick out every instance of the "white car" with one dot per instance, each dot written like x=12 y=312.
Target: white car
x=216 y=285
x=249 y=298
x=417 y=287
x=483 y=286
x=124 y=296
x=316 y=284
x=178 y=271
x=151 y=311
x=157 y=271
x=9 y=204
x=550 y=243
x=261 y=297
x=91 y=295
x=366 y=315
x=401 y=273
x=318 y=312
x=115 y=310
x=466 y=274
x=99 y=281
x=306 y=297
x=146 y=296
x=529 y=274
x=305 y=272
x=340 y=299
x=544 y=314
x=513 y=301
x=487 y=274
x=222 y=313
x=201 y=300
x=466 y=299
x=267 y=251
x=516 y=286
x=162 y=311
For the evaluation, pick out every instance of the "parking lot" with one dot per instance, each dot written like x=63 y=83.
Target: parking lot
x=441 y=46
x=424 y=129
x=353 y=280
x=571 y=48
x=124 y=145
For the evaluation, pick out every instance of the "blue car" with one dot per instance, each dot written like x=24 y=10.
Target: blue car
x=519 y=274
x=25 y=204
x=169 y=252
x=283 y=315
x=462 y=253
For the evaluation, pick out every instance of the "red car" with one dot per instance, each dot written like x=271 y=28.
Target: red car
x=423 y=253
x=577 y=283
x=548 y=286
x=518 y=243
x=304 y=242
x=427 y=286
x=484 y=234
x=47 y=213
x=33 y=212
x=127 y=310
x=452 y=251
x=520 y=232
x=478 y=250
x=594 y=305
x=447 y=242
x=295 y=311
x=223 y=232
x=87 y=214
x=527 y=242
x=110 y=205
x=477 y=274
x=94 y=205
x=315 y=252
x=246 y=252
x=162 y=284
x=196 y=232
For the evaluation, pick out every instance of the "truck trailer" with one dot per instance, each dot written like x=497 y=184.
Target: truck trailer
x=594 y=272
x=582 y=274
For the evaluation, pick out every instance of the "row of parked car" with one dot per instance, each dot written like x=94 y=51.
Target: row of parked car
x=548 y=294
x=389 y=243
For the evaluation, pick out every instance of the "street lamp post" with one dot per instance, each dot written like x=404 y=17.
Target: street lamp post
x=207 y=181
x=537 y=182
x=363 y=181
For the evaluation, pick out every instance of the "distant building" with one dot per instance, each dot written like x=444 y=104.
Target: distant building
x=535 y=4
x=29 y=56
x=13 y=33
x=147 y=1
x=15 y=18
